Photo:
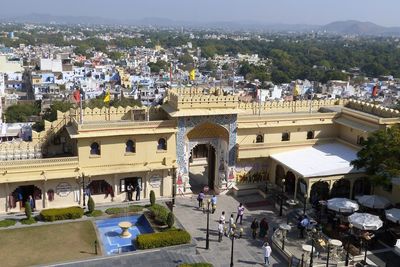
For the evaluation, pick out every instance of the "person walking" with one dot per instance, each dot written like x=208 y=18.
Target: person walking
x=263 y=228
x=267 y=253
x=138 y=189
x=254 y=227
x=200 y=199
x=240 y=213
x=220 y=230
x=213 y=204
x=222 y=219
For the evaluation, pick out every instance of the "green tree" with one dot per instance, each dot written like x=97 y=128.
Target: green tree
x=51 y=113
x=114 y=55
x=21 y=112
x=380 y=156
x=152 y=198
x=186 y=59
x=170 y=220
x=91 y=204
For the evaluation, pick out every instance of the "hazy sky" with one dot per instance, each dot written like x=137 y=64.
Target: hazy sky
x=383 y=12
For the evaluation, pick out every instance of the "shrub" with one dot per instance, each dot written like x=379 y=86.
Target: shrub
x=134 y=208
x=28 y=210
x=28 y=221
x=170 y=220
x=95 y=213
x=160 y=213
x=7 y=223
x=51 y=215
x=162 y=239
x=200 y=264
x=90 y=205
x=152 y=198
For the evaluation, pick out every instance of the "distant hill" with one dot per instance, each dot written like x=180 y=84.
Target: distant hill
x=359 y=28
x=349 y=27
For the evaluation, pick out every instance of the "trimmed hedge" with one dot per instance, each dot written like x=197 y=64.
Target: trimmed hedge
x=200 y=264
x=51 y=215
x=133 y=208
x=7 y=223
x=29 y=221
x=160 y=213
x=162 y=239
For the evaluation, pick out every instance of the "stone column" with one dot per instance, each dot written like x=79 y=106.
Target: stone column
x=7 y=196
x=44 y=195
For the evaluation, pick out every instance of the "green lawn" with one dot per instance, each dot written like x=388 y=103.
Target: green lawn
x=47 y=244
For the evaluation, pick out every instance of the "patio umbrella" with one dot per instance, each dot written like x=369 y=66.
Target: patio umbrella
x=342 y=205
x=393 y=215
x=374 y=201
x=365 y=221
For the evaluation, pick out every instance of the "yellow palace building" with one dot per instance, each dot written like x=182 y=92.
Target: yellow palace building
x=305 y=145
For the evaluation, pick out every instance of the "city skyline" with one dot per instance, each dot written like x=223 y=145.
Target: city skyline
x=312 y=12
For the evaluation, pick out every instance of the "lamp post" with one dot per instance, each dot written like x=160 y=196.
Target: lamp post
x=208 y=224
x=283 y=191
x=233 y=236
x=305 y=204
x=312 y=247
x=348 y=246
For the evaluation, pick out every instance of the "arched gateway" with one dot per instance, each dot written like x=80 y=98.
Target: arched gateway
x=211 y=137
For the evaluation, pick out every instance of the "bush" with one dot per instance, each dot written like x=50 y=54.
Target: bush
x=134 y=208
x=28 y=210
x=200 y=264
x=90 y=205
x=170 y=220
x=51 y=215
x=7 y=223
x=160 y=213
x=95 y=213
x=28 y=221
x=152 y=198
x=162 y=239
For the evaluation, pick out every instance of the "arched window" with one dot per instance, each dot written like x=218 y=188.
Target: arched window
x=130 y=147
x=260 y=139
x=285 y=136
x=94 y=149
x=162 y=144
x=310 y=135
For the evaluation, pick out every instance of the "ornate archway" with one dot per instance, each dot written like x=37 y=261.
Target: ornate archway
x=319 y=191
x=341 y=188
x=214 y=131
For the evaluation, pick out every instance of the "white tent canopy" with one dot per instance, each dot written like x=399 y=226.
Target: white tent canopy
x=319 y=160
x=374 y=201
x=393 y=215
x=365 y=221
x=342 y=205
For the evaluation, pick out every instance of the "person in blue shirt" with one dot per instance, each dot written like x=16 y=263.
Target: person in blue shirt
x=213 y=203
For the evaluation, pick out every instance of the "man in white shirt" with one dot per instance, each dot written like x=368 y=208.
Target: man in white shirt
x=220 y=231
x=267 y=253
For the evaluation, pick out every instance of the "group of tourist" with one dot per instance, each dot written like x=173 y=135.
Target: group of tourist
x=229 y=231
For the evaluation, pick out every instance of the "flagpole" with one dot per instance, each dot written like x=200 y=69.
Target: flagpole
x=81 y=111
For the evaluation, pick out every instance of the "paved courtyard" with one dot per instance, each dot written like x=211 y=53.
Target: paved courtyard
x=247 y=252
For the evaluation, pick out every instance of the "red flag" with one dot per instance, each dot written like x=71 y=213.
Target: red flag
x=77 y=96
x=375 y=91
